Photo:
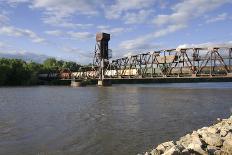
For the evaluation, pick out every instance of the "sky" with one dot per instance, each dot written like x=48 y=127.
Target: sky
x=66 y=29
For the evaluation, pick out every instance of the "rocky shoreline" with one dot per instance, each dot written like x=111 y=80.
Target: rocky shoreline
x=212 y=140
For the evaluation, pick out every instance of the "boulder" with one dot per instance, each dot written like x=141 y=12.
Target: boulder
x=228 y=136
x=212 y=139
x=172 y=151
x=212 y=149
x=212 y=130
x=190 y=139
x=155 y=152
x=147 y=153
x=227 y=145
x=196 y=148
x=165 y=146
x=202 y=130
x=185 y=152
x=223 y=133
x=230 y=118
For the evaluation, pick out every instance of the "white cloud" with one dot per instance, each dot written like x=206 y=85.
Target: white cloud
x=115 y=11
x=168 y=30
x=59 y=12
x=206 y=45
x=177 y=20
x=115 y=31
x=137 y=17
x=17 y=32
x=80 y=35
x=70 y=34
x=219 y=17
x=103 y=27
x=186 y=10
x=142 y=42
x=63 y=22
x=54 y=32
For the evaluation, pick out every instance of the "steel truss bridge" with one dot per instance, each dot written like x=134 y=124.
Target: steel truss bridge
x=195 y=62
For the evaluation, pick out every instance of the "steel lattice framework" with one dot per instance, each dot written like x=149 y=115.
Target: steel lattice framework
x=185 y=62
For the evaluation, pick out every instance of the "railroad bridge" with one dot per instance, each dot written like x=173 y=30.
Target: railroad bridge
x=182 y=63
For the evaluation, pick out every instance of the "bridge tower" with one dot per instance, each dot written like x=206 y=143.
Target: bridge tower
x=102 y=56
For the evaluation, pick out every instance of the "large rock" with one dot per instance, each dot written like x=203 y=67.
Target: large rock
x=185 y=141
x=173 y=151
x=212 y=139
x=212 y=130
x=190 y=139
x=223 y=133
x=165 y=146
x=212 y=149
x=155 y=152
x=228 y=136
x=197 y=148
x=227 y=145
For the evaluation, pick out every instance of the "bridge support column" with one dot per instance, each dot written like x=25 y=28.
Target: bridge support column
x=194 y=75
x=77 y=84
x=104 y=82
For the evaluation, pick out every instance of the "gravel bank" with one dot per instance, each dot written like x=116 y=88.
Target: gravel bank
x=212 y=140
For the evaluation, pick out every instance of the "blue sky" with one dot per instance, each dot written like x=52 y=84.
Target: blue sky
x=66 y=29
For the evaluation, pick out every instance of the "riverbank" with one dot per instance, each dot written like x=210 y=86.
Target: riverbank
x=212 y=140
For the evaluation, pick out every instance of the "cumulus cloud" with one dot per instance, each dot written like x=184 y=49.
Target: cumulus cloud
x=206 y=45
x=116 y=10
x=80 y=35
x=186 y=10
x=17 y=32
x=114 y=31
x=142 y=42
x=64 y=22
x=58 y=12
x=182 y=12
x=70 y=34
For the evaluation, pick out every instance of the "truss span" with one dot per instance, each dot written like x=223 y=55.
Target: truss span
x=188 y=62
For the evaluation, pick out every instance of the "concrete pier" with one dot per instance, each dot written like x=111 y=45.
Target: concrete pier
x=104 y=82
x=77 y=84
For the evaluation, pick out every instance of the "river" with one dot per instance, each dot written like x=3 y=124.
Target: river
x=117 y=120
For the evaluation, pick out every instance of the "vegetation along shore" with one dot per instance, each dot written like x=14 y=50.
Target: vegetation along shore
x=17 y=72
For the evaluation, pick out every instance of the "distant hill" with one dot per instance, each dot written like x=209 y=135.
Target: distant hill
x=26 y=56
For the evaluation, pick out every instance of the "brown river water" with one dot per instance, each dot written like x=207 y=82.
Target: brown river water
x=117 y=120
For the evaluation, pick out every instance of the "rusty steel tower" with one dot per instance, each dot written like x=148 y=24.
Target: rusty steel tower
x=102 y=56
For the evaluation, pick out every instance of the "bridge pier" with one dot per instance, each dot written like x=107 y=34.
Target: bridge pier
x=194 y=75
x=104 y=82
x=77 y=83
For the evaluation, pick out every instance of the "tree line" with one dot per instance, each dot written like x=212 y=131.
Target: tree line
x=19 y=72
